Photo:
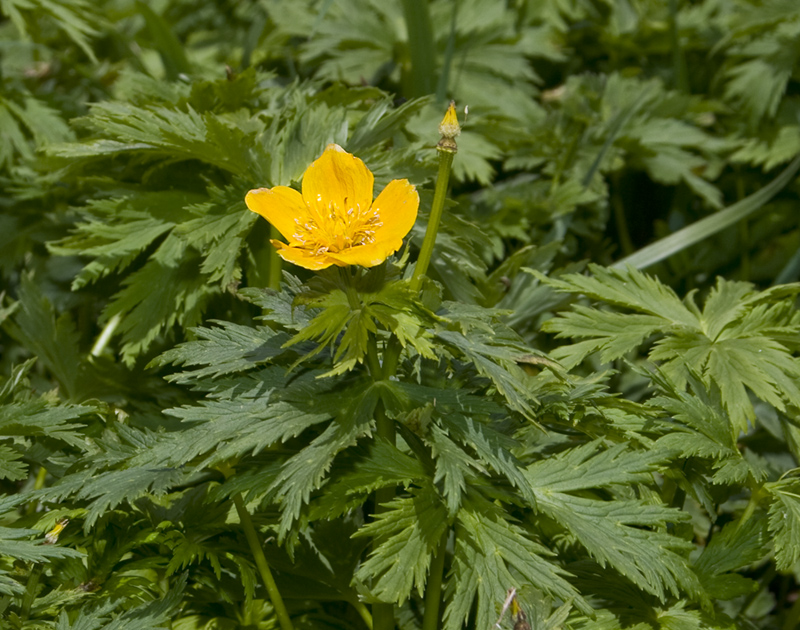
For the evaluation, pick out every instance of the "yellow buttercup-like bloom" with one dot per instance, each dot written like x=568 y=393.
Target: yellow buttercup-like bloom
x=335 y=221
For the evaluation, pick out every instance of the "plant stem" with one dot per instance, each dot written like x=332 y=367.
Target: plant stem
x=439 y=195
x=421 y=48
x=274 y=278
x=433 y=591
x=261 y=564
x=363 y=611
x=382 y=614
x=623 y=234
x=749 y=510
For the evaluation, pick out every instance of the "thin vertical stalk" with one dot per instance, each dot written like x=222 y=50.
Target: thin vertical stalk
x=447 y=64
x=421 y=48
x=433 y=590
x=679 y=70
x=439 y=195
x=623 y=234
x=262 y=565
x=382 y=614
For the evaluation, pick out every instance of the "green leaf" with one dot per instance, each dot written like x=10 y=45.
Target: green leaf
x=784 y=521
x=361 y=471
x=713 y=224
x=628 y=536
x=590 y=466
x=31 y=551
x=306 y=471
x=740 y=341
x=409 y=530
x=119 y=229
x=40 y=417
x=10 y=466
x=226 y=349
x=495 y=357
x=738 y=545
x=491 y=554
x=453 y=467
x=52 y=338
x=113 y=487
x=168 y=45
x=165 y=292
x=227 y=429
x=491 y=447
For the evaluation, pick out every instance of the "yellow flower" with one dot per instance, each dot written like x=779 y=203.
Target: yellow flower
x=335 y=221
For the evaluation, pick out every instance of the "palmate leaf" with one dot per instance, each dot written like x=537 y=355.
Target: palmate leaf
x=410 y=530
x=735 y=547
x=278 y=306
x=701 y=428
x=360 y=471
x=625 y=534
x=76 y=18
x=24 y=118
x=491 y=447
x=226 y=349
x=306 y=471
x=12 y=546
x=763 y=67
x=160 y=132
x=116 y=230
x=740 y=341
x=109 y=489
x=228 y=429
x=454 y=466
x=480 y=338
x=248 y=415
x=348 y=318
x=10 y=466
x=40 y=418
x=492 y=555
x=154 y=615
x=50 y=337
x=165 y=292
x=218 y=235
x=784 y=521
x=591 y=466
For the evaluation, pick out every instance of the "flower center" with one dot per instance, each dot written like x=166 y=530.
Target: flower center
x=334 y=229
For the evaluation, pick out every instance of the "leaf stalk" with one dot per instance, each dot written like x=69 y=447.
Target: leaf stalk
x=262 y=565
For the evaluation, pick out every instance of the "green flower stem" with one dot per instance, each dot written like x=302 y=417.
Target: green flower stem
x=382 y=614
x=749 y=510
x=261 y=564
x=274 y=278
x=439 y=195
x=363 y=611
x=433 y=591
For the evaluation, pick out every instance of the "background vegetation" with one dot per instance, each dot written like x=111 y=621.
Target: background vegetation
x=619 y=446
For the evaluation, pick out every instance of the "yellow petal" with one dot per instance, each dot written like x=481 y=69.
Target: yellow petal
x=337 y=181
x=280 y=206
x=363 y=255
x=302 y=257
x=397 y=207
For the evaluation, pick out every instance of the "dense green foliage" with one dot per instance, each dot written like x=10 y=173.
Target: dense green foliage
x=594 y=399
